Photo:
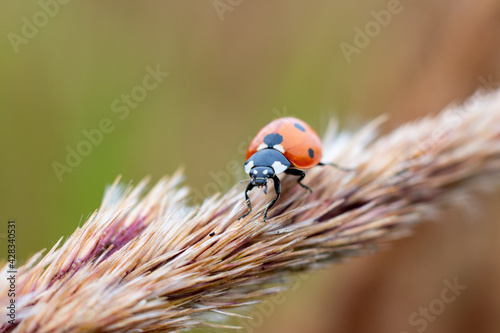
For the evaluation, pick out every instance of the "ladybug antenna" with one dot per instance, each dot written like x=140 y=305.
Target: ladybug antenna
x=245 y=180
x=341 y=168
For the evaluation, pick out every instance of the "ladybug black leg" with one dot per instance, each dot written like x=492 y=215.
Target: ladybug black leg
x=301 y=174
x=337 y=166
x=247 y=199
x=277 y=188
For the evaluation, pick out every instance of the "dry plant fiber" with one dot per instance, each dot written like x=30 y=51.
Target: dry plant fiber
x=145 y=261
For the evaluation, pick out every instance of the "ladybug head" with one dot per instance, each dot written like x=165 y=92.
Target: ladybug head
x=260 y=175
x=265 y=164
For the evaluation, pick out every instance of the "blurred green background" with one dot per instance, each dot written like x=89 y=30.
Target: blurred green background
x=233 y=66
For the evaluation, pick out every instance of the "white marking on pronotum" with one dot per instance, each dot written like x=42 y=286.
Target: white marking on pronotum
x=275 y=147
x=279 y=148
x=265 y=172
x=279 y=167
x=248 y=167
x=262 y=146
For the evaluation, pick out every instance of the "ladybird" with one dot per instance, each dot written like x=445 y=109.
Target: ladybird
x=285 y=145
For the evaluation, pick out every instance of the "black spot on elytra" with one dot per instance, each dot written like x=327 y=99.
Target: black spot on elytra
x=311 y=153
x=273 y=139
x=300 y=127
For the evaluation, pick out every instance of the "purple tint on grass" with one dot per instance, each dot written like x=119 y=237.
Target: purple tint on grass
x=113 y=239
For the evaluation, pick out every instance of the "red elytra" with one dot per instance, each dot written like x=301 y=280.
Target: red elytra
x=300 y=144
